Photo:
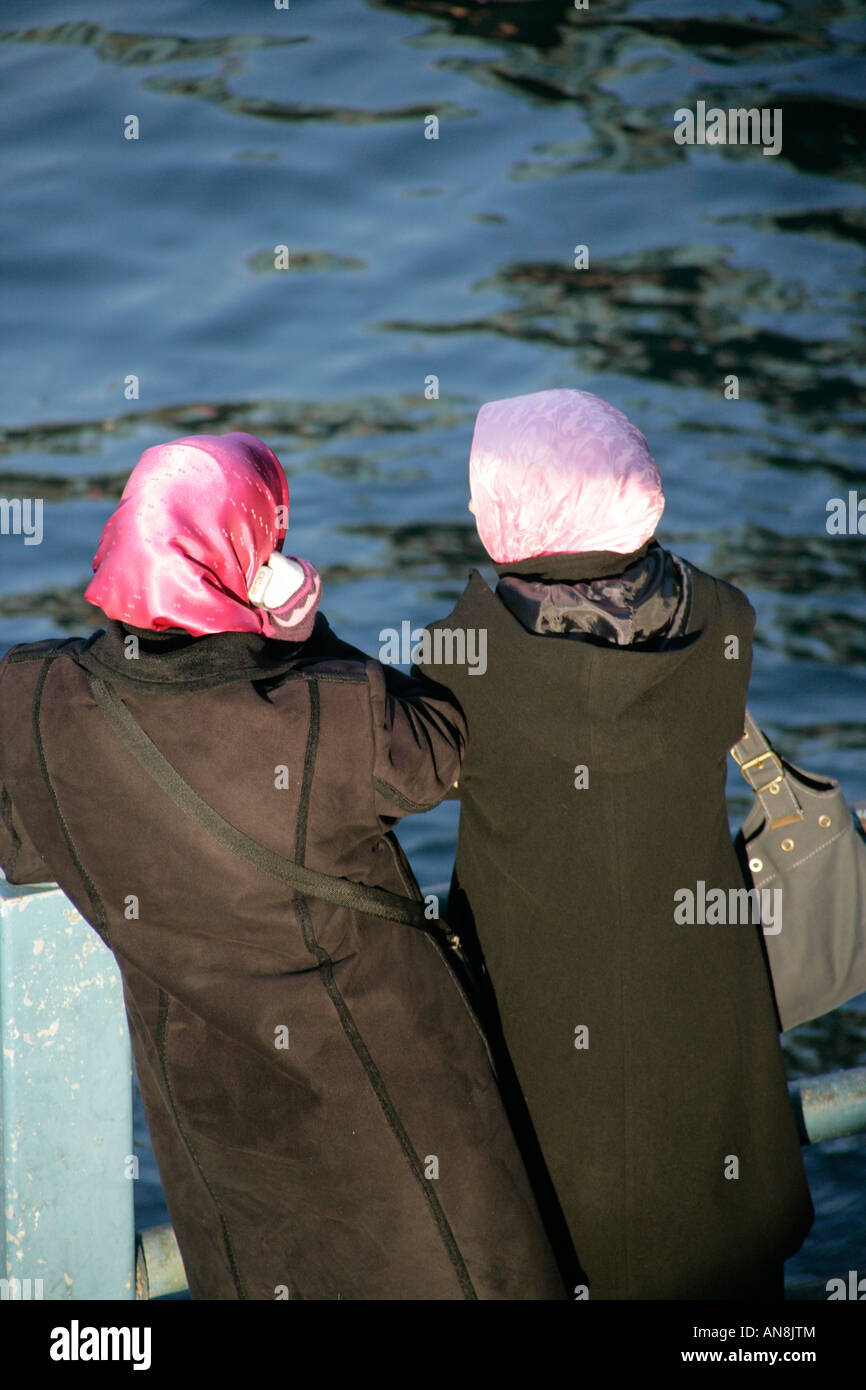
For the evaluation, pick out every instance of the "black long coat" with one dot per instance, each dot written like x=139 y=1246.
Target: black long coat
x=319 y=1096
x=647 y=1051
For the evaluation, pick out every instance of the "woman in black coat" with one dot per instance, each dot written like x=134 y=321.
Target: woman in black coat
x=613 y=683
x=213 y=781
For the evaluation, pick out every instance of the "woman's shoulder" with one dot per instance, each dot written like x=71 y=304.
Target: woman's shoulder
x=32 y=655
x=722 y=591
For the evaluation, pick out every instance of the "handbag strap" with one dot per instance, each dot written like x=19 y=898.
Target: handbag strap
x=377 y=902
x=764 y=771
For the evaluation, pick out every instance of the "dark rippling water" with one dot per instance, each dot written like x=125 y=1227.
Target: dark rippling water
x=453 y=258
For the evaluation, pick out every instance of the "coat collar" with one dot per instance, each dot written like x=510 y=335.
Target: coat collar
x=478 y=607
x=173 y=661
x=571 y=568
x=648 y=604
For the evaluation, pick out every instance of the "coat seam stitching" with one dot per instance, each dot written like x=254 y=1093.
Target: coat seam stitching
x=393 y=794
x=162 y=1026
x=352 y=1031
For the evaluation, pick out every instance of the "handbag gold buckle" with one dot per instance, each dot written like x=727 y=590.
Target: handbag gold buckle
x=752 y=762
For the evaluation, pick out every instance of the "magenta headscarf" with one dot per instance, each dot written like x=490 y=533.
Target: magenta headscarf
x=559 y=472
x=196 y=520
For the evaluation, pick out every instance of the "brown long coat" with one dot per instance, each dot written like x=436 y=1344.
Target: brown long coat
x=319 y=1096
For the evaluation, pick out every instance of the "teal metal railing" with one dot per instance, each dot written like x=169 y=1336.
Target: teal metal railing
x=831 y=1106
x=65 y=1105
x=68 y=1165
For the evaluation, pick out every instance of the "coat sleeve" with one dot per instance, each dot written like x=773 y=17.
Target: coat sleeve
x=419 y=738
x=19 y=859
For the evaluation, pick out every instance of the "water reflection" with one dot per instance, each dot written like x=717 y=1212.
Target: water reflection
x=294 y=423
x=143 y=50
x=685 y=316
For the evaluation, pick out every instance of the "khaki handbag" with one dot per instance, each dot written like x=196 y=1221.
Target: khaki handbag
x=801 y=838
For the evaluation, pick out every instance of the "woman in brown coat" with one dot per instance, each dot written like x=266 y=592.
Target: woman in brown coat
x=213 y=781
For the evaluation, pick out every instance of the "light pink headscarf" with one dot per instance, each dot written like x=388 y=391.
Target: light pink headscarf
x=196 y=520
x=559 y=472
